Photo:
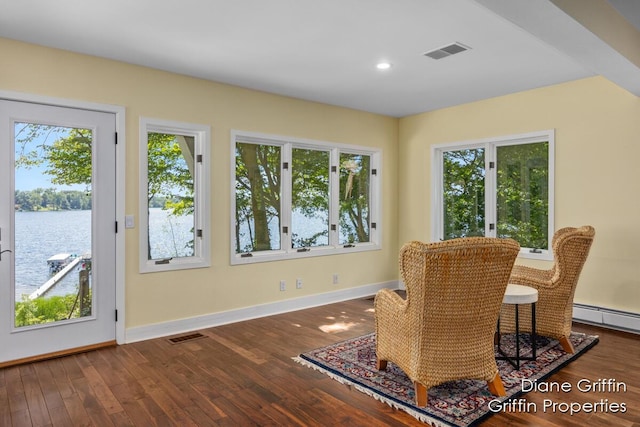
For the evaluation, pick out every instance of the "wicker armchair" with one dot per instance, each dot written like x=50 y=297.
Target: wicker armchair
x=556 y=287
x=444 y=329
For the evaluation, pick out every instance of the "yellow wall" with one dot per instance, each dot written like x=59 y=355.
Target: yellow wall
x=597 y=180
x=161 y=297
x=597 y=129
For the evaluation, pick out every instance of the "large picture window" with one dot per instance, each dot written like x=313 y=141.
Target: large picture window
x=500 y=187
x=299 y=198
x=174 y=210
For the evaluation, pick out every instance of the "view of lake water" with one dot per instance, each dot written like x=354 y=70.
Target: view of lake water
x=40 y=235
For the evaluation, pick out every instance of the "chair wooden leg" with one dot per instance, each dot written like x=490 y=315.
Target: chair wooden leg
x=381 y=365
x=566 y=345
x=421 y=394
x=496 y=387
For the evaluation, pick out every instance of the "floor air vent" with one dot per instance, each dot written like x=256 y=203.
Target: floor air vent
x=449 y=50
x=183 y=338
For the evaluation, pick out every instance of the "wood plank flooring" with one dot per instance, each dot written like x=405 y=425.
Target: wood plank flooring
x=242 y=375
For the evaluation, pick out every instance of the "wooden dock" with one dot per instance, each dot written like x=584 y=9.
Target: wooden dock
x=55 y=279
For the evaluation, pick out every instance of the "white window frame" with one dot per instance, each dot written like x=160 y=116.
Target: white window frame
x=286 y=252
x=490 y=146
x=202 y=206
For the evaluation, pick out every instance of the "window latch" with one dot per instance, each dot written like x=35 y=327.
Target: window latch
x=163 y=261
x=535 y=251
x=246 y=255
x=304 y=250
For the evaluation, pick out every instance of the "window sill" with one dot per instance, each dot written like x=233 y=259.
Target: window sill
x=543 y=255
x=174 y=264
x=268 y=256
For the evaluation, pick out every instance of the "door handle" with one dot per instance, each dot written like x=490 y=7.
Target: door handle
x=1 y=252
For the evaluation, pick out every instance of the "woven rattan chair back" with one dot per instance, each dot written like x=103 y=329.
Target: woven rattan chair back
x=444 y=329
x=556 y=286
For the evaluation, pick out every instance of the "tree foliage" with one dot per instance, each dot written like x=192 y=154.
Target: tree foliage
x=355 y=176
x=51 y=199
x=258 y=192
x=68 y=161
x=168 y=175
x=46 y=310
x=463 y=185
x=522 y=175
x=523 y=194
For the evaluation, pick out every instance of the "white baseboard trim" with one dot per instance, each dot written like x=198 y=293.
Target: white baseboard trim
x=157 y=330
x=609 y=318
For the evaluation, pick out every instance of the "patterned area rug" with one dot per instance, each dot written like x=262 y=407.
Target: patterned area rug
x=457 y=403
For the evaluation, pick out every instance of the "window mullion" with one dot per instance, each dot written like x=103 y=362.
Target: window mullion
x=375 y=208
x=334 y=194
x=286 y=188
x=198 y=196
x=437 y=203
x=491 y=220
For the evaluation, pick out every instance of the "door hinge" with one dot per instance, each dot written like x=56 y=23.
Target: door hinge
x=285 y=165
x=374 y=172
x=116 y=226
x=116 y=138
x=492 y=226
x=199 y=158
x=334 y=169
x=116 y=315
x=199 y=232
x=492 y=165
x=285 y=229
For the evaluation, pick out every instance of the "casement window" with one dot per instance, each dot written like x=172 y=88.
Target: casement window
x=295 y=198
x=174 y=195
x=499 y=187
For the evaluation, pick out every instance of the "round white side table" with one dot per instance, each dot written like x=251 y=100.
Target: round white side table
x=516 y=295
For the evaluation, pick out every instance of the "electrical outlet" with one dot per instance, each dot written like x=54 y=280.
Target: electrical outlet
x=335 y=279
x=298 y=283
x=283 y=285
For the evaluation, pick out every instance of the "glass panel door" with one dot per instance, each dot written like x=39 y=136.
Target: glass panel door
x=57 y=220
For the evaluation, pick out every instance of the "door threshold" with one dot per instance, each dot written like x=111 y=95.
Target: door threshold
x=56 y=354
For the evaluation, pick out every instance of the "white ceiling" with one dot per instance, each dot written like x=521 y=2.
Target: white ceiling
x=326 y=50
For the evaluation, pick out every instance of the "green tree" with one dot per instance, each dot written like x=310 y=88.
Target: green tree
x=257 y=192
x=258 y=187
x=463 y=193
x=68 y=161
x=523 y=193
x=522 y=172
x=354 y=200
x=310 y=193
x=169 y=178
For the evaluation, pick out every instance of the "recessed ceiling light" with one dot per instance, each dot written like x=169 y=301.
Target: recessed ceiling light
x=383 y=66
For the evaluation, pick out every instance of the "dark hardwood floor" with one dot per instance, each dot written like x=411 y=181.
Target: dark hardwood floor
x=242 y=375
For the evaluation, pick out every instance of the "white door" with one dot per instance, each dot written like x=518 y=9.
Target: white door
x=57 y=230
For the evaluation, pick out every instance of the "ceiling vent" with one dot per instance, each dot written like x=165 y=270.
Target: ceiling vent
x=449 y=50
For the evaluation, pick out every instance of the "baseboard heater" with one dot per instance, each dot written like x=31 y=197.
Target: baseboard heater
x=615 y=319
